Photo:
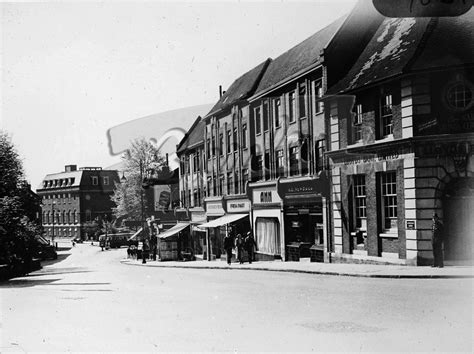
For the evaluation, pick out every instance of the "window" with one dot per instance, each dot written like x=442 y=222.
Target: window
x=209 y=186
x=276 y=112
x=294 y=170
x=106 y=180
x=245 y=177
x=267 y=164
x=258 y=127
x=63 y=217
x=357 y=123
x=259 y=167
x=320 y=149
x=235 y=139
x=95 y=180
x=74 y=216
x=195 y=197
x=459 y=96
x=386 y=113
x=88 y=215
x=267 y=235
x=318 y=94
x=302 y=102
x=389 y=200
x=228 y=141
x=244 y=136
x=360 y=202
x=230 y=182
x=186 y=162
x=208 y=148
x=236 y=183
x=221 y=143
x=221 y=185
x=48 y=217
x=195 y=162
x=304 y=157
x=280 y=167
x=213 y=148
x=265 y=117
x=69 y=217
x=291 y=107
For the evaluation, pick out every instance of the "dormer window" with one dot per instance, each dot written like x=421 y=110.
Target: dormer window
x=95 y=180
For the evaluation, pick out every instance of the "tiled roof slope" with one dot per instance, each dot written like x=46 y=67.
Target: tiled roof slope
x=388 y=52
x=451 y=43
x=299 y=57
x=194 y=136
x=241 y=88
x=402 y=45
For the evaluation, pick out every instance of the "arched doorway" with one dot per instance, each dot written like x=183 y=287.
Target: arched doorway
x=458 y=210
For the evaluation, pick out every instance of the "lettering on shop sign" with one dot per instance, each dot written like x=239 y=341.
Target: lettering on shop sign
x=266 y=197
x=214 y=206
x=238 y=206
x=387 y=157
x=446 y=149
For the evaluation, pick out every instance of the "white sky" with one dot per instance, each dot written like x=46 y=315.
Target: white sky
x=70 y=71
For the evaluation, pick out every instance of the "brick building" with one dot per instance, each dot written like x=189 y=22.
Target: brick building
x=400 y=133
x=72 y=198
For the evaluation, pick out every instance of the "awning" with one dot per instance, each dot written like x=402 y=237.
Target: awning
x=174 y=230
x=223 y=220
x=135 y=234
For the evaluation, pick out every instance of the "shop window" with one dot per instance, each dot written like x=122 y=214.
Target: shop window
x=302 y=101
x=265 y=117
x=244 y=136
x=357 y=124
x=388 y=188
x=258 y=127
x=459 y=96
x=294 y=169
x=320 y=149
x=267 y=235
x=360 y=202
x=291 y=107
x=280 y=167
x=386 y=115
x=276 y=112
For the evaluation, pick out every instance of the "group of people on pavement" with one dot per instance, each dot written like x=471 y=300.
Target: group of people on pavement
x=240 y=244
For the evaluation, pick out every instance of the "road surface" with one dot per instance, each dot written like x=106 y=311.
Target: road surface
x=89 y=301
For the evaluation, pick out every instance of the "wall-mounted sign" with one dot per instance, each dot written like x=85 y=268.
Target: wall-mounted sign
x=265 y=196
x=410 y=224
x=215 y=208
x=313 y=187
x=238 y=206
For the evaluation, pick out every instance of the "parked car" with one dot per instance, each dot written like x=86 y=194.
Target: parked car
x=45 y=250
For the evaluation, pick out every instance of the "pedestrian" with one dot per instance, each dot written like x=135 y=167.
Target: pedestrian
x=239 y=247
x=249 y=245
x=437 y=242
x=228 y=245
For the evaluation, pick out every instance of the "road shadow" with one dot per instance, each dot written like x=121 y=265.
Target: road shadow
x=25 y=282
x=61 y=257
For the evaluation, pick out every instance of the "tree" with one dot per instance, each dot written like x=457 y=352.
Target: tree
x=142 y=157
x=17 y=230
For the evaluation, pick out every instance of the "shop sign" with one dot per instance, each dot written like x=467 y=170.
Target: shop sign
x=238 y=206
x=265 y=196
x=214 y=208
x=445 y=149
x=198 y=216
x=309 y=187
x=410 y=224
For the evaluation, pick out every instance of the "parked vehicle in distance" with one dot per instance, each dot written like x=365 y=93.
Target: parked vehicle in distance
x=115 y=240
x=45 y=250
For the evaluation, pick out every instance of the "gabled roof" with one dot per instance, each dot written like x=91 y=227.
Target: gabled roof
x=402 y=45
x=193 y=137
x=298 y=58
x=241 y=88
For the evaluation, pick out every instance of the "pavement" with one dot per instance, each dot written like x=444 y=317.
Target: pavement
x=335 y=269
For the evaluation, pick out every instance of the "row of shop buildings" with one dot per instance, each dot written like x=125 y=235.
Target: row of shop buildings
x=343 y=147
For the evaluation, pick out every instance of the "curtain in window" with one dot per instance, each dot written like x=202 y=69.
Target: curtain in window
x=268 y=235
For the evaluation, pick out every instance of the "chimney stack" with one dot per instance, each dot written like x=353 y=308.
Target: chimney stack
x=220 y=91
x=70 y=168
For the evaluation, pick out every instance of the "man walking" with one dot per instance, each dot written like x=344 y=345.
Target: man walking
x=249 y=245
x=228 y=245
x=437 y=242
x=239 y=247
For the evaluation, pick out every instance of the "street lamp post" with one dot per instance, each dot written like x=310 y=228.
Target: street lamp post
x=52 y=229
x=142 y=213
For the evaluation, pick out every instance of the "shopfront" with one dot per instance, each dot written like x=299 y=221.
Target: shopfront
x=198 y=235
x=214 y=210
x=304 y=214
x=267 y=220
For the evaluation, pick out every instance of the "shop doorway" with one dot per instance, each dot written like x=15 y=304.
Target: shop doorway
x=458 y=210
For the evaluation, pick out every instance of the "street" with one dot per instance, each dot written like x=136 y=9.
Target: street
x=89 y=301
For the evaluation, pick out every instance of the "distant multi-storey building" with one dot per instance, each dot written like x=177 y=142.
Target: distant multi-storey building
x=74 y=197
